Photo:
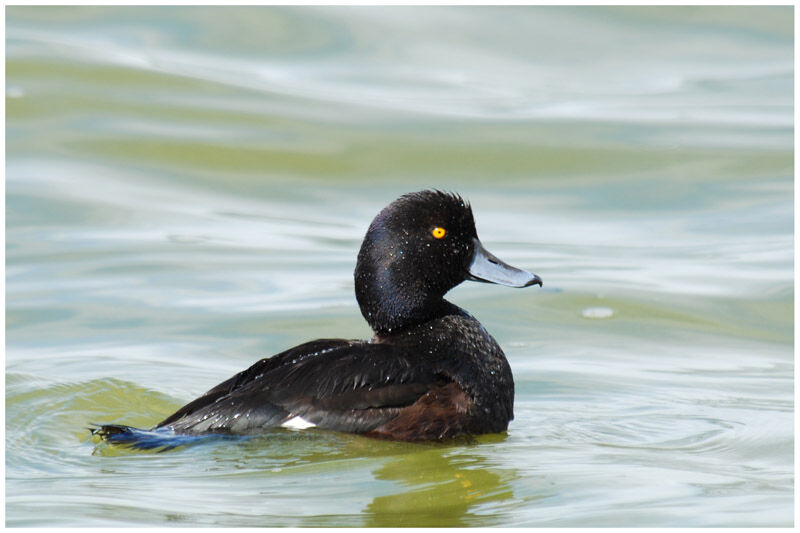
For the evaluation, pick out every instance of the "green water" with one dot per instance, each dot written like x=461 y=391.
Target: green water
x=187 y=188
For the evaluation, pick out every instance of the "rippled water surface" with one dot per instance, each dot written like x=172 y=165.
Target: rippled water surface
x=187 y=188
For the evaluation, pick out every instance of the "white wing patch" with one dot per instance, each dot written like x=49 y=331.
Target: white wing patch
x=297 y=422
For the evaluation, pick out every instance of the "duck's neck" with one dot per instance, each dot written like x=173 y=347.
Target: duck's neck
x=390 y=305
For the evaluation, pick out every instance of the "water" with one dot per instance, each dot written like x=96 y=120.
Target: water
x=187 y=188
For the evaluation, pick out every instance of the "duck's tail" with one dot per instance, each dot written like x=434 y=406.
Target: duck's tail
x=148 y=439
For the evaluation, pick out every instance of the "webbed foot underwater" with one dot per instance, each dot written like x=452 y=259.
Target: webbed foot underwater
x=431 y=372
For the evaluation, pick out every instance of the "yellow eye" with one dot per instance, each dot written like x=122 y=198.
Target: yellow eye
x=438 y=232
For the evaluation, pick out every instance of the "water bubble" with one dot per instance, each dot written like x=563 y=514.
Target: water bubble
x=597 y=313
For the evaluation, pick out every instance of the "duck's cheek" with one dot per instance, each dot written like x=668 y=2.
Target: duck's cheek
x=460 y=256
x=450 y=268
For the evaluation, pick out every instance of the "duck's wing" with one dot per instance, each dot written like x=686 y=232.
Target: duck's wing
x=256 y=371
x=335 y=384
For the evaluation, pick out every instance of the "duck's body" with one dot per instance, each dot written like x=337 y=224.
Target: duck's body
x=431 y=372
x=417 y=384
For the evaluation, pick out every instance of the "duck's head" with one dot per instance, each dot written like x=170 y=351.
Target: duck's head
x=419 y=247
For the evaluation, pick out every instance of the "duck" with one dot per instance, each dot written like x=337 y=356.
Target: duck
x=430 y=372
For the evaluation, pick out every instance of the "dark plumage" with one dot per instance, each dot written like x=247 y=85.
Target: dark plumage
x=431 y=371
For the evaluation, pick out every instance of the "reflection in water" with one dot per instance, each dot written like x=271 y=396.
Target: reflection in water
x=442 y=489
